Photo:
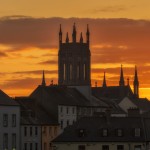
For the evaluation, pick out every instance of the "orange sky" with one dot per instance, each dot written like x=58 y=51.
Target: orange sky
x=30 y=44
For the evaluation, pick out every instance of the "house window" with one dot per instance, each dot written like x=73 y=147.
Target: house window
x=25 y=131
x=5 y=120
x=30 y=131
x=61 y=109
x=120 y=147
x=36 y=146
x=25 y=146
x=13 y=141
x=67 y=122
x=61 y=124
x=36 y=131
x=137 y=132
x=30 y=146
x=119 y=132
x=105 y=147
x=13 y=120
x=5 y=141
x=137 y=147
x=67 y=110
x=105 y=132
x=81 y=147
x=81 y=132
x=55 y=131
x=44 y=131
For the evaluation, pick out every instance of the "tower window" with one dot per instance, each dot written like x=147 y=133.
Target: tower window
x=64 y=69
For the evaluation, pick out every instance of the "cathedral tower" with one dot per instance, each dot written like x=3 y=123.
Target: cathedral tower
x=136 y=84
x=74 y=60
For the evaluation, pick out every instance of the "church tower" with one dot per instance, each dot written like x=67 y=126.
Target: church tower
x=74 y=60
x=136 y=84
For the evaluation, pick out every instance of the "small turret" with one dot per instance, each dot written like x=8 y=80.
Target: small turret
x=74 y=34
x=67 y=38
x=136 y=83
x=81 y=38
x=60 y=36
x=104 y=81
x=121 y=82
x=43 y=79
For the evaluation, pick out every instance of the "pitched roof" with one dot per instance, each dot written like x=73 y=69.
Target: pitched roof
x=6 y=100
x=112 y=92
x=49 y=97
x=93 y=127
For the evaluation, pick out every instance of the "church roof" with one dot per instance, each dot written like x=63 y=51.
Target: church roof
x=5 y=100
x=49 y=97
x=112 y=92
x=93 y=127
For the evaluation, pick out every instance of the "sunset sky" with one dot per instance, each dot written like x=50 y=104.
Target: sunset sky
x=120 y=34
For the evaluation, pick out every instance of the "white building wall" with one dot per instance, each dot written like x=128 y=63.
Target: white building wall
x=10 y=130
x=67 y=115
x=31 y=138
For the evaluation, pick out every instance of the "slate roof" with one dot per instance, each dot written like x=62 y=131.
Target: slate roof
x=112 y=92
x=93 y=127
x=32 y=113
x=5 y=100
x=49 y=97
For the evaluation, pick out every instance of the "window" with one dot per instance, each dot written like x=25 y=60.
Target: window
x=5 y=141
x=61 y=124
x=13 y=120
x=13 y=141
x=81 y=132
x=30 y=146
x=84 y=66
x=105 y=147
x=30 y=131
x=78 y=71
x=50 y=130
x=120 y=147
x=137 y=147
x=119 y=132
x=81 y=147
x=36 y=131
x=25 y=131
x=105 y=132
x=73 y=110
x=67 y=110
x=67 y=122
x=5 y=120
x=36 y=146
x=45 y=146
x=70 y=71
x=44 y=130
x=137 y=132
x=64 y=71
x=25 y=146
x=55 y=131
x=61 y=109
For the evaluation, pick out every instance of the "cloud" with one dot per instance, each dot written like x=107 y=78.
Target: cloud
x=49 y=62
x=2 y=54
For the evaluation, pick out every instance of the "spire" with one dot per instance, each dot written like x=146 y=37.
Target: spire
x=128 y=81
x=121 y=82
x=136 y=83
x=81 y=38
x=43 y=79
x=95 y=83
x=88 y=35
x=67 y=38
x=104 y=81
x=74 y=34
x=60 y=35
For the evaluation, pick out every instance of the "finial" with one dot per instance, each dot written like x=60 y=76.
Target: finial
x=81 y=38
x=67 y=38
x=43 y=79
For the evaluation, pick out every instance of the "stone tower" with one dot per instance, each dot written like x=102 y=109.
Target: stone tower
x=74 y=60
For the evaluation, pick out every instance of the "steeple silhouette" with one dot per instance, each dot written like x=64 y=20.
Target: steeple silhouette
x=43 y=79
x=60 y=35
x=74 y=34
x=88 y=35
x=81 y=38
x=121 y=82
x=136 y=83
x=67 y=38
x=104 y=81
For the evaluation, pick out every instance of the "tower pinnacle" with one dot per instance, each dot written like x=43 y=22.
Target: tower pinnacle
x=43 y=79
x=121 y=82
x=60 y=35
x=81 y=38
x=88 y=35
x=136 y=83
x=104 y=81
x=74 y=34
x=67 y=38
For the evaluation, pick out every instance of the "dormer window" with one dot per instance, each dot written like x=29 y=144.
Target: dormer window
x=137 y=132
x=81 y=132
x=119 y=132
x=105 y=132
